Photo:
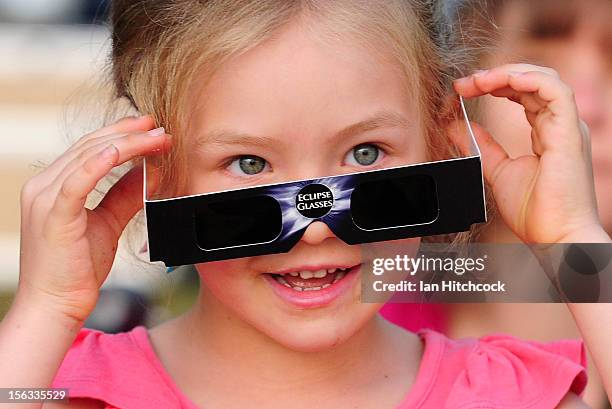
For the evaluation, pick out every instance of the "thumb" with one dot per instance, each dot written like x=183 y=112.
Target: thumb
x=124 y=199
x=493 y=156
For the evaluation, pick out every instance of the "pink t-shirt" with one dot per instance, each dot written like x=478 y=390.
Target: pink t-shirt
x=416 y=316
x=495 y=371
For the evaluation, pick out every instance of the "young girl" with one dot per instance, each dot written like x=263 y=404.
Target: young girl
x=263 y=91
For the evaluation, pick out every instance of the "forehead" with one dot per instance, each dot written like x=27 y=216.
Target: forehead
x=298 y=82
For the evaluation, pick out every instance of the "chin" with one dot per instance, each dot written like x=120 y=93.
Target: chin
x=325 y=333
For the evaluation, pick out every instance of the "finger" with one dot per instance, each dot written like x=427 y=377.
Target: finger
x=73 y=193
x=586 y=136
x=129 y=146
x=551 y=103
x=530 y=101
x=536 y=144
x=70 y=199
x=494 y=157
x=560 y=111
x=587 y=153
x=486 y=81
x=468 y=87
x=522 y=67
x=549 y=89
x=122 y=126
x=125 y=198
x=558 y=96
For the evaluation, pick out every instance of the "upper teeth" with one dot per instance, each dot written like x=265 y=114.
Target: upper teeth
x=305 y=275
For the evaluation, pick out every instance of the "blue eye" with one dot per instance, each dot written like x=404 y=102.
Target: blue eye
x=363 y=155
x=248 y=165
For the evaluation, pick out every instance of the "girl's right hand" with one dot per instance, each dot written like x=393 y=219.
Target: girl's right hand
x=67 y=250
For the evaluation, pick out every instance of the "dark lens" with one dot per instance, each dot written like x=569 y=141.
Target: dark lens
x=395 y=202
x=237 y=222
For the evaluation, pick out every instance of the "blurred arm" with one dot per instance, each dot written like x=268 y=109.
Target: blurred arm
x=595 y=322
x=34 y=340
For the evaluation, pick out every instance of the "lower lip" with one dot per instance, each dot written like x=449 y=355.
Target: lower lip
x=315 y=298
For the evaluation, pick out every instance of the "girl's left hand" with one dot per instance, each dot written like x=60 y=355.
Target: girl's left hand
x=548 y=197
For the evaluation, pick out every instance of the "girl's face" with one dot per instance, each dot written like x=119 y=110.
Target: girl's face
x=297 y=107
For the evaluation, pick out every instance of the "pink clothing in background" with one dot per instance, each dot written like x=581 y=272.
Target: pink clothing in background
x=415 y=317
x=496 y=371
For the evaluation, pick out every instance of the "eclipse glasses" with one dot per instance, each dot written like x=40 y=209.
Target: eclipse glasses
x=416 y=200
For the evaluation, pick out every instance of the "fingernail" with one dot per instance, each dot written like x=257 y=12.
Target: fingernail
x=157 y=131
x=515 y=73
x=109 y=152
x=480 y=73
x=135 y=117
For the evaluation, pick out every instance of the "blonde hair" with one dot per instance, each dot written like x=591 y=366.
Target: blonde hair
x=158 y=49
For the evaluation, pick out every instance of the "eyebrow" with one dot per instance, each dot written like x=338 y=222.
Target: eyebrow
x=227 y=137
x=382 y=119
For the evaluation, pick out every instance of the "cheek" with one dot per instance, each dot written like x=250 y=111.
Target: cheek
x=225 y=279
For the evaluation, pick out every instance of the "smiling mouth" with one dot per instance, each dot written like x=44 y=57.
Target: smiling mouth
x=311 y=280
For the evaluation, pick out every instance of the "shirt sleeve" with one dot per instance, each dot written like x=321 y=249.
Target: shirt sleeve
x=111 y=369
x=504 y=372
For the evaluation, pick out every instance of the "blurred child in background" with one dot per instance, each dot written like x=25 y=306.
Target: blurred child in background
x=574 y=38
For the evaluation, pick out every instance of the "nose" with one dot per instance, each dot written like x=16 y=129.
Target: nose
x=316 y=233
